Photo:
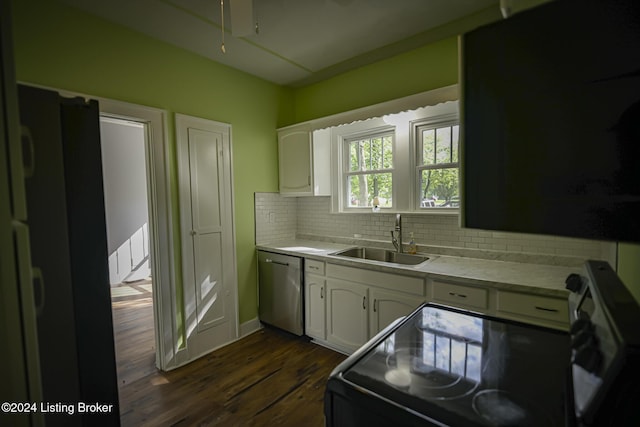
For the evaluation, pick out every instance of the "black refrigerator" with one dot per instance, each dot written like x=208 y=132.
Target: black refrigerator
x=65 y=205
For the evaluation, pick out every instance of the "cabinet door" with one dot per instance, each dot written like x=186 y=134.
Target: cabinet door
x=387 y=307
x=346 y=314
x=314 y=301
x=294 y=161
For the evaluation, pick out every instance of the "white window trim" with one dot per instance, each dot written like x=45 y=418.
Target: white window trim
x=405 y=179
x=451 y=119
x=339 y=136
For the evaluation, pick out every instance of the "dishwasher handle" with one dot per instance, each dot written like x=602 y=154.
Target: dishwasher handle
x=286 y=264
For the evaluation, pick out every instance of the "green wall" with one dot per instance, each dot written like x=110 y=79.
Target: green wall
x=62 y=47
x=429 y=67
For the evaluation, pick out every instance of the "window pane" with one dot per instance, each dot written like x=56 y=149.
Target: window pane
x=365 y=149
x=428 y=146
x=371 y=154
x=443 y=145
x=363 y=188
x=439 y=188
x=387 y=152
x=354 y=156
x=454 y=143
x=376 y=153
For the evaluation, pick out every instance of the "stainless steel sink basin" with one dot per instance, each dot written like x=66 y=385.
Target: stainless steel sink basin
x=384 y=255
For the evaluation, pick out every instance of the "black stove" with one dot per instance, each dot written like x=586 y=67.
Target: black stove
x=447 y=367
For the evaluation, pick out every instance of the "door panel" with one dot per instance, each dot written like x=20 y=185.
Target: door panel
x=389 y=306
x=315 y=306
x=205 y=185
x=208 y=254
x=209 y=283
x=346 y=314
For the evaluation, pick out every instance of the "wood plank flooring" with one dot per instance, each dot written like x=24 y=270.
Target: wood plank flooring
x=268 y=378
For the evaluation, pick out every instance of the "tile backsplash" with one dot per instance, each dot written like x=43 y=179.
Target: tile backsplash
x=276 y=217
x=279 y=218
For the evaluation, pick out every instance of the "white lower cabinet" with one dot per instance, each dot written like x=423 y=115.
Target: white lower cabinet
x=361 y=302
x=460 y=295
x=549 y=311
x=315 y=297
x=388 y=306
x=541 y=310
x=346 y=314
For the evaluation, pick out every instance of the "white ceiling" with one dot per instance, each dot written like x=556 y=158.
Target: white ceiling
x=299 y=41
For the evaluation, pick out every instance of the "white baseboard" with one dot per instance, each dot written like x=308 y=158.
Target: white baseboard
x=249 y=327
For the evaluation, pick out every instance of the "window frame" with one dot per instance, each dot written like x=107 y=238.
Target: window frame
x=347 y=173
x=418 y=127
x=405 y=181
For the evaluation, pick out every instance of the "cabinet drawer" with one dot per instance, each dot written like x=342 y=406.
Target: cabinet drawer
x=313 y=266
x=394 y=282
x=460 y=295
x=554 y=309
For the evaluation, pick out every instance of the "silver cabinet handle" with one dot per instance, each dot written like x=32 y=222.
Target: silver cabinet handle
x=364 y=301
x=551 y=310
x=375 y=301
x=312 y=267
x=269 y=260
x=321 y=293
x=193 y=232
x=453 y=294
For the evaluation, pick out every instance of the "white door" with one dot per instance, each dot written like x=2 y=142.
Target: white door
x=208 y=244
x=346 y=314
x=389 y=306
x=314 y=306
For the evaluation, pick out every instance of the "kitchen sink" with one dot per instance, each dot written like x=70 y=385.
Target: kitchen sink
x=384 y=255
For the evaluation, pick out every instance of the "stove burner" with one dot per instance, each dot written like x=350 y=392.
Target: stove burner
x=503 y=409
x=405 y=369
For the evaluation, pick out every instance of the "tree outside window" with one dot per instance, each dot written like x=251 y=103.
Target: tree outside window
x=369 y=175
x=438 y=166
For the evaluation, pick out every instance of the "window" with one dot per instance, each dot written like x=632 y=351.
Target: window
x=368 y=177
x=437 y=165
x=406 y=162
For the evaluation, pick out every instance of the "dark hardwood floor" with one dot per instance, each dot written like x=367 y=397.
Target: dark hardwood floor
x=267 y=378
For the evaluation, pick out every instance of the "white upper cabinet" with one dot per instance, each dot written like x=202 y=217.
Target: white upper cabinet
x=304 y=161
x=295 y=160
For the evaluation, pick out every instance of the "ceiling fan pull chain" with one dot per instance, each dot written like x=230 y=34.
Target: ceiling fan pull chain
x=222 y=17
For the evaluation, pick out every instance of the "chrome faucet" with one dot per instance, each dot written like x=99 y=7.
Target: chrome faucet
x=396 y=234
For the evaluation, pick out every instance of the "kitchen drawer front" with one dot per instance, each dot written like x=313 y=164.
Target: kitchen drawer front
x=460 y=295
x=554 y=309
x=394 y=282
x=313 y=266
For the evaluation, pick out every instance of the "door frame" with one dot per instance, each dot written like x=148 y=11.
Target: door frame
x=160 y=222
x=183 y=355
x=161 y=239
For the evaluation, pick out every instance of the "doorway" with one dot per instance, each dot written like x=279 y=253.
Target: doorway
x=126 y=182
x=126 y=202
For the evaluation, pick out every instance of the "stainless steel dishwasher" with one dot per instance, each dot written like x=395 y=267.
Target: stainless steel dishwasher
x=280 y=298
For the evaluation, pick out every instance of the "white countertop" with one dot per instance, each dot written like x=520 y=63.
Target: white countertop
x=526 y=277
